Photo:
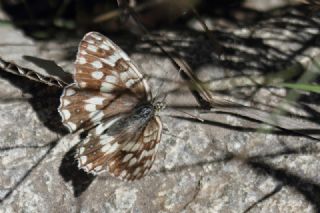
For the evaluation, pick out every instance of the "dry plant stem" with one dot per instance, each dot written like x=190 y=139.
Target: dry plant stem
x=216 y=46
x=179 y=64
x=30 y=74
x=116 y=13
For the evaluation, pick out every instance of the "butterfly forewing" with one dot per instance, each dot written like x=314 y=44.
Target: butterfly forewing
x=83 y=109
x=103 y=66
x=111 y=100
x=107 y=83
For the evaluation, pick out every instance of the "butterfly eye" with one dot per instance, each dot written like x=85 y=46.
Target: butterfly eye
x=158 y=106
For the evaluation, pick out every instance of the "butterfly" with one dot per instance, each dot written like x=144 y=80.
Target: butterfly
x=111 y=101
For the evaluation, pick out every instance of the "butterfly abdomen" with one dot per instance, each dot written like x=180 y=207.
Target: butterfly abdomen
x=136 y=120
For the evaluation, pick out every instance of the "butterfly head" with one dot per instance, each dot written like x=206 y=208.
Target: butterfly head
x=159 y=106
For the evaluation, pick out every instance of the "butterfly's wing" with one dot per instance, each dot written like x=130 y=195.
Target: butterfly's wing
x=107 y=84
x=127 y=155
x=102 y=65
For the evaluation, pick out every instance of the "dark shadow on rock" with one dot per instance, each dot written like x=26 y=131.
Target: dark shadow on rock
x=279 y=131
x=314 y=114
x=51 y=146
x=44 y=100
x=308 y=188
x=228 y=157
x=50 y=67
x=276 y=190
x=70 y=172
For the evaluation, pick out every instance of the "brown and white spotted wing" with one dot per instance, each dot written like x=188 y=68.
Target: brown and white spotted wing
x=106 y=84
x=125 y=156
x=83 y=109
x=102 y=65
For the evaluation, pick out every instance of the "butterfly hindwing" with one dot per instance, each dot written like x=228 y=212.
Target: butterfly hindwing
x=126 y=155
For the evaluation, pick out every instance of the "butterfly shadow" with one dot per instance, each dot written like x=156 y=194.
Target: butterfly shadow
x=44 y=100
x=69 y=170
x=50 y=67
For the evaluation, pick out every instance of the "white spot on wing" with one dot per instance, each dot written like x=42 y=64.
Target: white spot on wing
x=90 y=107
x=95 y=100
x=128 y=147
x=127 y=157
x=71 y=126
x=83 y=52
x=83 y=84
x=114 y=58
x=82 y=60
x=97 y=75
x=136 y=171
x=97 y=64
x=110 y=148
x=98 y=168
x=95 y=36
x=124 y=76
x=66 y=114
x=92 y=48
x=89 y=166
x=110 y=61
x=132 y=161
x=129 y=83
x=83 y=159
x=66 y=102
x=81 y=150
x=146 y=153
x=70 y=92
x=105 y=139
x=111 y=79
x=136 y=147
x=104 y=46
x=106 y=87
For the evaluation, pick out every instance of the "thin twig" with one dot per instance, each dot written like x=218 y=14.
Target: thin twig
x=30 y=74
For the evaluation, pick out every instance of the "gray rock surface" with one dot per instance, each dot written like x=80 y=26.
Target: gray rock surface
x=225 y=164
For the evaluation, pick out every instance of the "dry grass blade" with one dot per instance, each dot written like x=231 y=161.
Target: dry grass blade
x=30 y=74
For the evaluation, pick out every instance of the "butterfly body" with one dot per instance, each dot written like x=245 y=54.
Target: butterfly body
x=135 y=121
x=112 y=102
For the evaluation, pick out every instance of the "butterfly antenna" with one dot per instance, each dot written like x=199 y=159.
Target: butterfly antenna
x=159 y=89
